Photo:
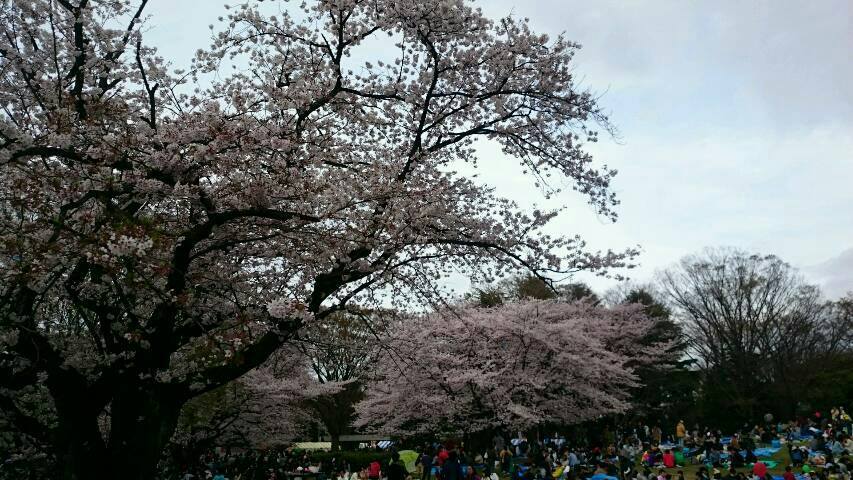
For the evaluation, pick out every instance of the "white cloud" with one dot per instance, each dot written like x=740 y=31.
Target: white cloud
x=835 y=275
x=765 y=193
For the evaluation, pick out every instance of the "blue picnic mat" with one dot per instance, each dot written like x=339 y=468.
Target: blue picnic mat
x=601 y=476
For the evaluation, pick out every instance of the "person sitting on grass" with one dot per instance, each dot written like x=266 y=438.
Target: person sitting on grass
x=796 y=455
x=713 y=457
x=668 y=459
x=451 y=469
x=731 y=474
x=759 y=469
x=789 y=474
x=735 y=458
x=470 y=474
x=702 y=473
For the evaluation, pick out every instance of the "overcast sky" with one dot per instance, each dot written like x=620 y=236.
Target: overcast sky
x=736 y=122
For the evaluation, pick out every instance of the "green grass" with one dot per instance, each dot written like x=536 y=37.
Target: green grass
x=781 y=457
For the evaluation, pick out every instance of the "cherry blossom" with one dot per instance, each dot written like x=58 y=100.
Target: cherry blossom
x=517 y=365
x=163 y=232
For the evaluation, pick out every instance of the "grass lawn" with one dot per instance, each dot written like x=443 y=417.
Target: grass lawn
x=690 y=469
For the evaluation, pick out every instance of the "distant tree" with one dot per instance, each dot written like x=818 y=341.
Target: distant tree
x=264 y=408
x=576 y=292
x=488 y=296
x=830 y=376
x=531 y=287
x=528 y=287
x=667 y=383
x=341 y=353
x=652 y=307
x=519 y=365
x=755 y=327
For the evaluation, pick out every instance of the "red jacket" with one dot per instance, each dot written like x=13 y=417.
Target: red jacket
x=759 y=469
x=668 y=460
x=374 y=470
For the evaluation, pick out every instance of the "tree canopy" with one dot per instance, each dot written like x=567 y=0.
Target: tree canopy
x=160 y=237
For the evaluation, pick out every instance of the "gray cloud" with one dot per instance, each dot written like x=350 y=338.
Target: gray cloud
x=834 y=275
x=784 y=64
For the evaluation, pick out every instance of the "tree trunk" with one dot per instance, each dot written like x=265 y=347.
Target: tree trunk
x=336 y=441
x=83 y=454
x=141 y=423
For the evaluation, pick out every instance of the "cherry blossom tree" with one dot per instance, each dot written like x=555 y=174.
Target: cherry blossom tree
x=263 y=408
x=341 y=353
x=517 y=365
x=161 y=235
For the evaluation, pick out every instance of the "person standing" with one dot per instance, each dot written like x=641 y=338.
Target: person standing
x=396 y=471
x=451 y=469
x=425 y=461
x=498 y=443
x=441 y=456
x=657 y=433
x=680 y=432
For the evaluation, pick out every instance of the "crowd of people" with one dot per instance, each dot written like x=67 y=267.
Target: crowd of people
x=819 y=448
x=245 y=464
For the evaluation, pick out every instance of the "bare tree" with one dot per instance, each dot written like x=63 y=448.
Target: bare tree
x=755 y=326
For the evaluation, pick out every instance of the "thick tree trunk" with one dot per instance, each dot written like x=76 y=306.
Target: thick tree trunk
x=141 y=424
x=336 y=412
x=83 y=454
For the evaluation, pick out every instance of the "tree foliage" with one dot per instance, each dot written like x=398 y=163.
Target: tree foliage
x=160 y=237
x=667 y=382
x=522 y=287
x=518 y=365
x=341 y=354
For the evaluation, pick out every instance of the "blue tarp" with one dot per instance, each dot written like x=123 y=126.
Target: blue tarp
x=764 y=452
x=601 y=476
